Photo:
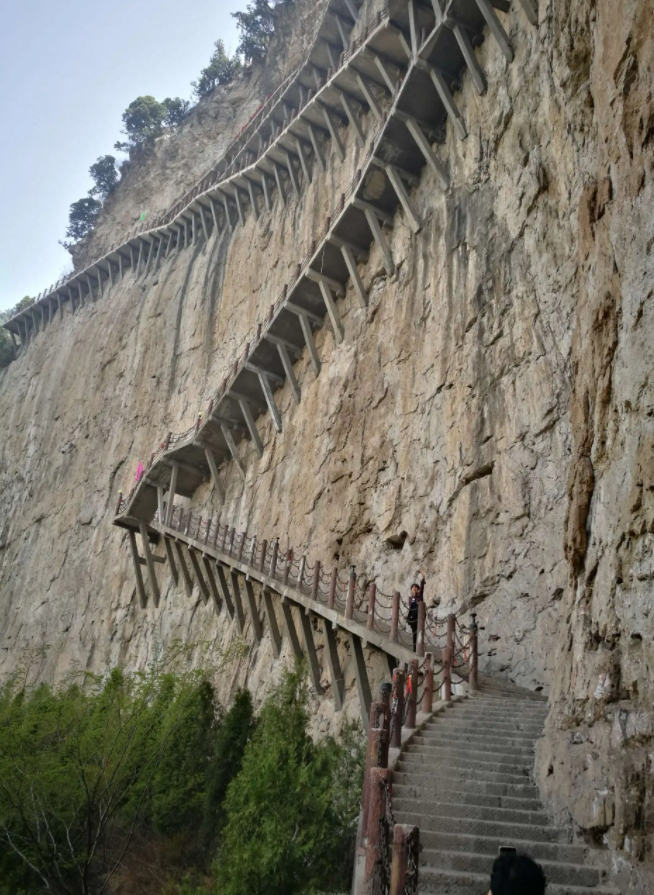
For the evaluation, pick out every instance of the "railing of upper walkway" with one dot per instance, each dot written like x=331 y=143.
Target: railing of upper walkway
x=238 y=156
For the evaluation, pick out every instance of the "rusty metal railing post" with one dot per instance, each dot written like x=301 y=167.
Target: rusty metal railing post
x=395 y=616
x=422 y=616
x=273 y=559
x=349 y=604
x=332 y=589
x=287 y=566
x=404 y=866
x=474 y=653
x=315 y=589
x=380 y=778
x=447 y=659
x=428 y=692
x=398 y=681
x=372 y=596
x=413 y=697
x=264 y=550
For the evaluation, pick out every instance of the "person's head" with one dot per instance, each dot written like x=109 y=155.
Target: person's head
x=415 y=590
x=516 y=875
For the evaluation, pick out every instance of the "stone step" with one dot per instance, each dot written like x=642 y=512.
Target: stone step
x=452 y=882
x=509 y=714
x=473 y=827
x=480 y=731
x=555 y=871
x=423 y=809
x=489 y=845
x=466 y=785
x=440 y=759
x=489 y=747
x=465 y=771
x=451 y=793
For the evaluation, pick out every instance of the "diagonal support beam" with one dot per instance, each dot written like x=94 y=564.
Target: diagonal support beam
x=213 y=468
x=398 y=185
x=445 y=94
x=253 y=201
x=333 y=130
x=353 y=270
x=425 y=147
x=531 y=10
x=238 y=603
x=280 y=183
x=271 y=618
x=266 y=193
x=229 y=438
x=386 y=75
x=270 y=401
x=467 y=51
x=310 y=647
x=186 y=575
x=290 y=372
x=292 y=173
x=317 y=150
x=171 y=494
x=332 y=310
x=224 y=587
x=239 y=206
x=334 y=665
x=199 y=577
x=361 y=675
x=213 y=586
x=380 y=239
x=168 y=547
x=143 y=600
x=496 y=28
x=251 y=424
x=371 y=99
x=154 y=584
x=254 y=611
x=352 y=116
x=289 y=627
x=306 y=170
x=307 y=332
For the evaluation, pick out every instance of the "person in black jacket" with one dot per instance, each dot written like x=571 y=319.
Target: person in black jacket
x=417 y=596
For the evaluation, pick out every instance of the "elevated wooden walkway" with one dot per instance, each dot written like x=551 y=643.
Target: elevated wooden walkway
x=258 y=581
x=423 y=63
x=269 y=159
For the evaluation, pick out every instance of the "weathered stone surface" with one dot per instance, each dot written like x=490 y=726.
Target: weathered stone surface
x=488 y=418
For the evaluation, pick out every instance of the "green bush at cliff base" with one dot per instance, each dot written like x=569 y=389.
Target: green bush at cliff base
x=91 y=766
x=291 y=812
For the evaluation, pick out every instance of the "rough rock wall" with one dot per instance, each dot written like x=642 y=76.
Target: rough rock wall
x=509 y=348
x=596 y=763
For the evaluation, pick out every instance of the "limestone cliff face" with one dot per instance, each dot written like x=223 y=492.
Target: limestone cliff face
x=487 y=418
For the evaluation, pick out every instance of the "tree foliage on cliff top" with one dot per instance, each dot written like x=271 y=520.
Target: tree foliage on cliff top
x=256 y=26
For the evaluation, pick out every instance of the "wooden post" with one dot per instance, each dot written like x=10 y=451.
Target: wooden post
x=413 y=697
x=273 y=559
x=474 y=653
x=143 y=600
x=150 y=563
x=428 y=692
x=376 y=757
x=447 y=659
x=349 y=604
x=380 y=778
x=398 y=682
x=332 y=589
x=315 y=590
x=404 y=867
x=395 y=616
x=422 y=616
x=264 y=550
x=372 y=595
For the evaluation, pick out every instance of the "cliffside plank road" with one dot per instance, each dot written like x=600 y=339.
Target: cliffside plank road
x=393 y=82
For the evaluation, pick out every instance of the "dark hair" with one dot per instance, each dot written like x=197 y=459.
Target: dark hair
x=517 y=875
x=417 y=586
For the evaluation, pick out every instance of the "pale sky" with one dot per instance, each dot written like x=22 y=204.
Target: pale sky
x=68 y=70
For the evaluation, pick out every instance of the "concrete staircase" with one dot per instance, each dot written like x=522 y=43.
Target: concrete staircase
x=466 y=781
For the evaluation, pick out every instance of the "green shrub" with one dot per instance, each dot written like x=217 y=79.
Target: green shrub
x=289 y=824
x=221 y=70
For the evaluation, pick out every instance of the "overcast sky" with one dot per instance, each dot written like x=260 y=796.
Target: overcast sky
x=68 y=70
